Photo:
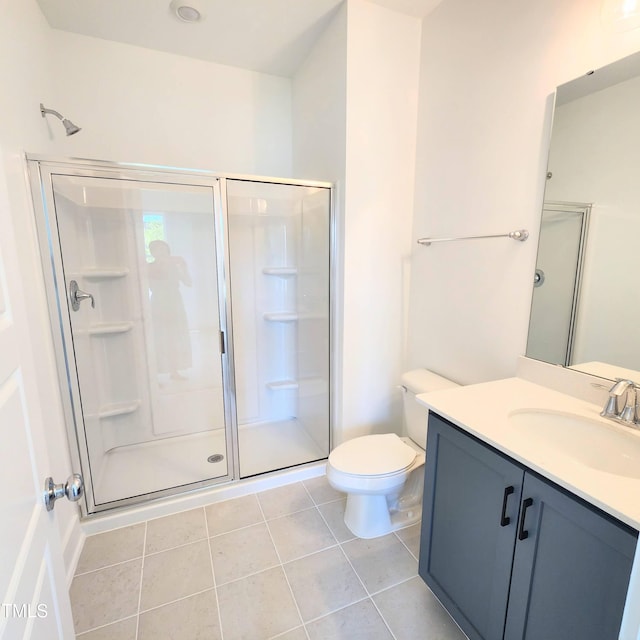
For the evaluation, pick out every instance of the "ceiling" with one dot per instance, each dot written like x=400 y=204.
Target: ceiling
x=270 y=36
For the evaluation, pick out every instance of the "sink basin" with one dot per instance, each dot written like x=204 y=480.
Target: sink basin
x=592 y=443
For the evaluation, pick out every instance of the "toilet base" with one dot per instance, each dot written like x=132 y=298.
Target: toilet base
x=371 y=516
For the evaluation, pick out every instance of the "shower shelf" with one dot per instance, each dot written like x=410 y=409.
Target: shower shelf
x=104 y=274
x=120 y=409
x=284 y=316
x=109 y=329
x=280 y=271
x=282 y=385
x=281 y=317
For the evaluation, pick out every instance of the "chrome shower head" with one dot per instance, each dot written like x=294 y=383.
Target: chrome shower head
x=70 y=128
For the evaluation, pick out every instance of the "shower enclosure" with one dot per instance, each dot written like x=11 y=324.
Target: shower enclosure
x=191 y=318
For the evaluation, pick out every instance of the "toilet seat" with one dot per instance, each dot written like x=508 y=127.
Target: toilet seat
x=382 y=455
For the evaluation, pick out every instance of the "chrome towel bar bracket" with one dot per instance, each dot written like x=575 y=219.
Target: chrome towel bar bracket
x=519 y=234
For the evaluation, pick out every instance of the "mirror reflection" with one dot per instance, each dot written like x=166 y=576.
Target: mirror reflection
x=586 y=304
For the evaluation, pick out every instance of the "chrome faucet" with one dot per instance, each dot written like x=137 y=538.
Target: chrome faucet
x=625 y=411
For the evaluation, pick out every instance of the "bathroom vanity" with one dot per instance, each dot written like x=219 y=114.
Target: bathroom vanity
x=530 y=517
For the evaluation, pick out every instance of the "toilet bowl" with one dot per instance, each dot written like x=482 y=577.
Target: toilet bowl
x=383 y=474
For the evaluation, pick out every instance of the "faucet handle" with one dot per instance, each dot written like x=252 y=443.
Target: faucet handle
x=620 y=386
x=611 y=408
x=628 y=414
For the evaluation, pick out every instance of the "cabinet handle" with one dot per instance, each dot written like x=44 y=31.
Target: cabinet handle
x=522 y=534
x=504 y=519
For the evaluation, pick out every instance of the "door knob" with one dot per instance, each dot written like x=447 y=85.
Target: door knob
x=76 y=295
x=73 y=488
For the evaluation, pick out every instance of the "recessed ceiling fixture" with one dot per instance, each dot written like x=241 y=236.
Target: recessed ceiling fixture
x=186 y=11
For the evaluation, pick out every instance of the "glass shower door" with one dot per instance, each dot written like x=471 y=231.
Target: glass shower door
x=279 y=253
x=138 y=282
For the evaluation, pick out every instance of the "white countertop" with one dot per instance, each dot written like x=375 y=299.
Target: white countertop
x=483 y=410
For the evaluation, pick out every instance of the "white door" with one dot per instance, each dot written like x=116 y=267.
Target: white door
x=34 y=602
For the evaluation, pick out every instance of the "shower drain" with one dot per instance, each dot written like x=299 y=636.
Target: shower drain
x=216 y=457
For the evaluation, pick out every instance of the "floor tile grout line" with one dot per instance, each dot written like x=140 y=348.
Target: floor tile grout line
x=225 y=533
x=406 y=545
x=312 y=553
x=144 y=544
x=293 y=597
x=165 y=604
x=386 y=624
x=108 y=624
x=213 y=573
x=326 y=523
x=178 y=546
x=222 y=533
x=346 y=606
x=280 y=563
x=369 y=595
x=366 y=590
x=292 y=513
x=354 y=571
x=284 y=633
x=250 y=575
x=109 y=566
x=393 y=586
x=315 y=502
x=155 y=553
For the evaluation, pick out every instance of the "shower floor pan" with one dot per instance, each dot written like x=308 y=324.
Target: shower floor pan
x=144 y=468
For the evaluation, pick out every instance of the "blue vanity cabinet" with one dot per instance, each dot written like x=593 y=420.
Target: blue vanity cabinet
x=571 y=569
x=469 y=521
x=512 y=556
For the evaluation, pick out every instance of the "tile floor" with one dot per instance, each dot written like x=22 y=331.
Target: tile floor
x=275 y=564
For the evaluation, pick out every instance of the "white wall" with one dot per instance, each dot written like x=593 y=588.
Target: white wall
x=319 y=91
x=355 y=118
x=140 y=105
x=595 y=156
x=319 y=96
x=488 y=71
x=383 y=53
x=26 y=81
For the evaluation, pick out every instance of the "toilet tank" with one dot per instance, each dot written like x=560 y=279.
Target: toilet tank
x=415 y=414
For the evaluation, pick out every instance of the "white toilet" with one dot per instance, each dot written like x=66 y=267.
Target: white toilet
x=383 y=475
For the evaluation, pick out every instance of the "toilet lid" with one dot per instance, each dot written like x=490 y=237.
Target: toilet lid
x=374 y=455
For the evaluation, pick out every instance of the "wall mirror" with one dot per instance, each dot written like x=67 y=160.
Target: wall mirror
x=586 y=303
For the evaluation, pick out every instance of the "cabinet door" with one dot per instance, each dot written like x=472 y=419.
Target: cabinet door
x=570 y=572
x=468 y=528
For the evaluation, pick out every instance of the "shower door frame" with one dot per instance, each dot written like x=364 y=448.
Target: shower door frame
x=40 y=169
x=583 y=211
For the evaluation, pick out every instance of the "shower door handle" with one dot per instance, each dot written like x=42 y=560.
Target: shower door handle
x=76 y=295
